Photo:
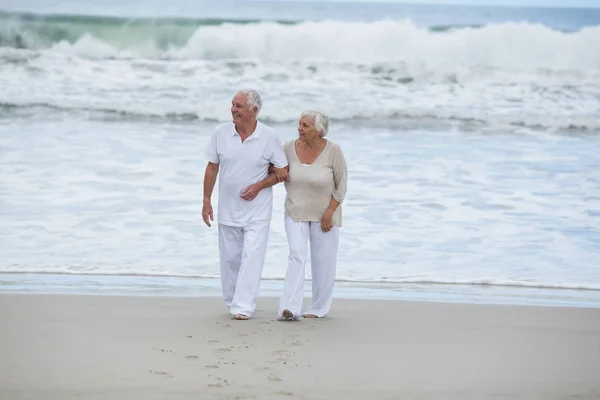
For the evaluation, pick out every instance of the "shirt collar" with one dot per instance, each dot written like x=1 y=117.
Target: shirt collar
x=255 y=134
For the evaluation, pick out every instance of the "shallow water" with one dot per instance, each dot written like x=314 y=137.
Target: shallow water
x=471 y=135
x=83 y=196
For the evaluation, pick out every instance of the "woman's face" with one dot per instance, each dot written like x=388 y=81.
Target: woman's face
x=306 y=130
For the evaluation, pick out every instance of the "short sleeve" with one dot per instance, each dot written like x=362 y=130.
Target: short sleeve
x=211 y=153
x=277 y=153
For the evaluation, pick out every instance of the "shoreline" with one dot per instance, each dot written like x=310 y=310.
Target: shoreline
x=97 y=347
x=157 y=286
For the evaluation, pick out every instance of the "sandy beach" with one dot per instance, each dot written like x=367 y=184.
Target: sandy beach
x=108 y=347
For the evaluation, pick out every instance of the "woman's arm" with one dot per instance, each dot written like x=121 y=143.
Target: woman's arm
x=340 y=178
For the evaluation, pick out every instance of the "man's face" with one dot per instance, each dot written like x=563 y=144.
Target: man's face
x=240 y=111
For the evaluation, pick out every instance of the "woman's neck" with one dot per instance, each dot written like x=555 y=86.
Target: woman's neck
x=315 y=143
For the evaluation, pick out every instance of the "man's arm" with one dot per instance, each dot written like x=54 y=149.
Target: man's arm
x=210 y=178
x=252 y=191
x=279 y=162
x=277 y=158
x=281 y=174
x=269 y=181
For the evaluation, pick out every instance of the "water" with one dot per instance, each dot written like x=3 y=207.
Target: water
x=471 y=135
x=514 y=73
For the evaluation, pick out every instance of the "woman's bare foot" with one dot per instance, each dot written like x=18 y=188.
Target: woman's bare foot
x=288 y=315
x=240 y=317
x=310 y=316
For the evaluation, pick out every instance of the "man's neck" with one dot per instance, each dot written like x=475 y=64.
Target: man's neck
x=246 y=129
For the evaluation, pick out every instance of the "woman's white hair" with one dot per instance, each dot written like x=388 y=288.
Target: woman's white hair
x=253 y=98
x=320 y=120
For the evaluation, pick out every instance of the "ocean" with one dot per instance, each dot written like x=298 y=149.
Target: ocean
x=471 y=134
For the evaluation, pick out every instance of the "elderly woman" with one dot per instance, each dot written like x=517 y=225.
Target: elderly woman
x=315 y=190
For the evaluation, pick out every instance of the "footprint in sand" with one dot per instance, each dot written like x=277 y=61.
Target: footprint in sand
x=163 y=350
x=281 y=356
x=273 y=378
x=221 y=383
x=222 y=350
x=162 y=373
x=225 y=382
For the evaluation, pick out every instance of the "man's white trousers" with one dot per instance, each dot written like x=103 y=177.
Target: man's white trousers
x=323 y=252
x=242 y=254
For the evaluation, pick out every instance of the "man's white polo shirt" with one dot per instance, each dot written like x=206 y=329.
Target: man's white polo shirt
x=241 y=165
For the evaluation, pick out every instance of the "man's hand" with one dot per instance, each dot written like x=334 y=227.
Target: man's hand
x=251 y=192
x=327 y=221
x=210 y=177
x=280 y=173
x=207 y=213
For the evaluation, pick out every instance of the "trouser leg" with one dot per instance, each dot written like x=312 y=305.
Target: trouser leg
x=324 y=249
x=293 y=286
x=230 y=255
x=255 y=238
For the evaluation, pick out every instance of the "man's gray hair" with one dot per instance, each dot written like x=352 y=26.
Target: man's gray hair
x=320 y=120
x=253 y=98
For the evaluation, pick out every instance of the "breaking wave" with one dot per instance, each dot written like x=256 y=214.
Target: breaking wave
x=506 y=45
x=516 y=74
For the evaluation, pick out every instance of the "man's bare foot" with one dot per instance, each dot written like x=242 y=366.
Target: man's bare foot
x=240 y=317
x=310 y=316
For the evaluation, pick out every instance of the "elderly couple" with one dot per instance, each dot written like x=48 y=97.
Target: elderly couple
x=250 y=159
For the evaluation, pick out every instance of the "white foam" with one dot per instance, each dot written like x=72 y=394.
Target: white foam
x=507 y=76
x=201 y=89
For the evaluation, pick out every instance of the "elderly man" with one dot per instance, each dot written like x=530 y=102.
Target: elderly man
x=243 y=151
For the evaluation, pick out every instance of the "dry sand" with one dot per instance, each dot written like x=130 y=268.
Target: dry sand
x=146 y=348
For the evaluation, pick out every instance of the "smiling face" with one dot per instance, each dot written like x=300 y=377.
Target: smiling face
x=241 y=111
x=306 y=130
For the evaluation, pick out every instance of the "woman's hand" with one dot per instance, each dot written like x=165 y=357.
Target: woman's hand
x=327 y=221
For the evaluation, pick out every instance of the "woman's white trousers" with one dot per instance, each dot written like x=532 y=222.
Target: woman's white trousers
x=323 y=260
